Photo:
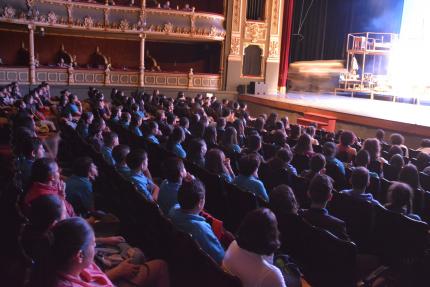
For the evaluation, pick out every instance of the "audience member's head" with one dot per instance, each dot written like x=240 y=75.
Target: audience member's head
x=425 y=143
x=360 y=179
x=304 y=144
x=137 y=160
x=347 y=138
x=32 y=148
x=317 y=163
x=177 y=136
x=295 y=131
x=184 y=122
x=310 y=130
x=279 y=138
x=197 y=149
x=215 y=161
x=283 y=201
x=259 y=124
x=397 y=139
x=191 y=195
x=423 y=161
x=221 y=123
x=175 y=169
x=253 y=143
x=395 y=149
x=258 y=232
x=110 y=139
x=373 y=147
x=119 y=153
x=210 y=135
x=329 y=149
x=380 y=135
x=397 y=161
x=45 y=170
x=85 y=167
x=400 y=196
x=230 y=137
x=320 y=189
x=248 y=165
x=362 y=158
x=45 y=211
x=409 y=174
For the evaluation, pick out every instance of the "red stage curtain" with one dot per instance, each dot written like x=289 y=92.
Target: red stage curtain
x=285 y=45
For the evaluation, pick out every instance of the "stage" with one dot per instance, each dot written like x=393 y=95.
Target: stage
x=404 y=118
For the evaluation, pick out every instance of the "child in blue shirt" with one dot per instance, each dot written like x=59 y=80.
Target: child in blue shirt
x=79 y=189
x=110 y=140
x=32 y=149
x=119 y=154
x=82 y=128
x=185 y=216
x=125 y=120
x=137 y=161
x=151 y=132
x=248 y=176
x=136 y=122
x=174 y=142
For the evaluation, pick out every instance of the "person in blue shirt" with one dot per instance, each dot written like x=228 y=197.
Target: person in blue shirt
x=175 y=173
x=125 y=120
x=136 y=110
x=218 y=164
x=32 y=149
x=248 y=176
x=360 y=180
x=151 y=132
x=185 y=216
x=197 y=149
x=115 y=116
x=137 y=161
x=119 y=154
x=229 y=140
x=329 y=151
x=82 y=128
x=110 y=140
x=73 y=107
x=136 y=122
x=79 y=189
x=400 y=200
x=95 y=137
x=174 y=142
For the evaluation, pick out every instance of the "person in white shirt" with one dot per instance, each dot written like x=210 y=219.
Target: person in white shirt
x=250 y=257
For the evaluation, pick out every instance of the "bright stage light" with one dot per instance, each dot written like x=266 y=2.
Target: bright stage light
x=410 y=57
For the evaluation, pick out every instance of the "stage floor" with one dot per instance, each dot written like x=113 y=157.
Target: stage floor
x=408 y=118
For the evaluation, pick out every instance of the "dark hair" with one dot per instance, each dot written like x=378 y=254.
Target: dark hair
x=423 y=160
x=409 y=174
x=295 y=131
x=279 y=125
x=177 y=136
x=310 y=130
x=82 y=166
x=96 y=126
x=282 y=200
x=120 y=152
x=109 y=138
x=195 y=149
x=320 y=188
x=173 y=168
x=135 y=119
x=362 y=158
x=184 y=121
x=136 y=158
x=304 y=144
x=190 y=193
x=42 y=169
x=397 y=139
x=400 y=194
x=44 y=211
x=285 y=154
x=360 y=178
x=380 y=134
x=258 y=232
x=248 y=164
x=230 y=136
x=30 y=145
x=253 y=143
x=373 y=147
x=397 y=161
x=85 y=116
x=279 y=138
x=240 y=128
x=317 y=162
x=210 y=135
x=329 y=149
x=259 y=123
x=395 y=149
x=170 y=118
x=347 y=138
x=214 y=161
x=221 y=122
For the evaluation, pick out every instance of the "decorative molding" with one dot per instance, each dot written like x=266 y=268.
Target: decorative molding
x=236 y=16
x=274 y=29
x=274 y=48
x=255 y=31
x=88 y=22
x=52 y=18
x=235 y=46
x=65 y=76
x=9 y=12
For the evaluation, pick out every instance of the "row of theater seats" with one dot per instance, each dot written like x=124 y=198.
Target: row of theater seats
x=324 y=259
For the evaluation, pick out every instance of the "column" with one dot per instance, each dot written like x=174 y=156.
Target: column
x=143 y=4
x=32 y=75
x=221 y=66
x=142 y=60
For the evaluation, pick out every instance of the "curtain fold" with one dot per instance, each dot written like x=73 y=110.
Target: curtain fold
x=286 y=42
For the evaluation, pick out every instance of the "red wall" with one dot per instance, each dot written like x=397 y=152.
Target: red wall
x=11 y=44
x=122 y=52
